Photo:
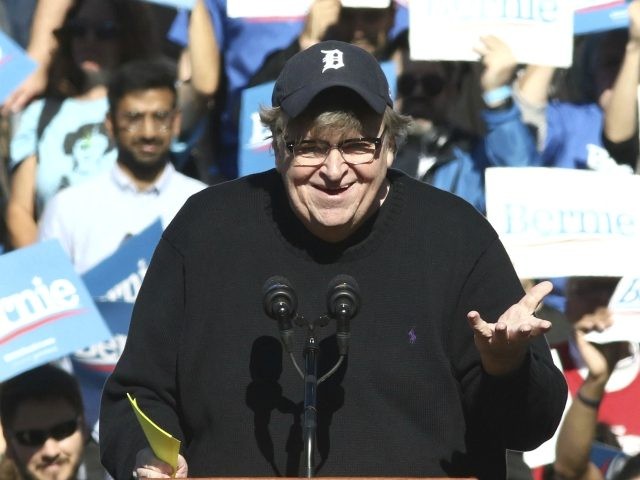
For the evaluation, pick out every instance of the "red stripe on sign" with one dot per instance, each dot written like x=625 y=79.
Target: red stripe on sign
x=604 y=6
x=33 y=326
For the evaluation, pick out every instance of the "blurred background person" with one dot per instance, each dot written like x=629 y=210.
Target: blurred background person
x=42 y=418
x=604 y=381
x=465 y=119
x=60 y=140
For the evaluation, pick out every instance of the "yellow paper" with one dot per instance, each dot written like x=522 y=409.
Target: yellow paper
x=164 y=446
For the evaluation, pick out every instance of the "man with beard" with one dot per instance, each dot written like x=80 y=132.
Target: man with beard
x=464 y=119
x=93 y=219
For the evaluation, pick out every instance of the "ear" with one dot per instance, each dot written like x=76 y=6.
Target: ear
x=280 y=158
x=390 y=155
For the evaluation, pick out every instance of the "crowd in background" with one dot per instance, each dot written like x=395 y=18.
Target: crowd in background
x=468 y=116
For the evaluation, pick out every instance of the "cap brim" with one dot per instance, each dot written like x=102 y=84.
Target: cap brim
x=298 y=101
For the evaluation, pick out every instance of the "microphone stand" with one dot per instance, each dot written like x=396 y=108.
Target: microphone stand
x=311 y=354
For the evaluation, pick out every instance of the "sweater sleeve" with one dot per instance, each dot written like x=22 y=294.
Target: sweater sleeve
x=520 y=410
x=147 y=367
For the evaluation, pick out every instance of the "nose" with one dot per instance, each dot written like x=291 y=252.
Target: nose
x=148 y=126
x=334 y=166
x=50 y=449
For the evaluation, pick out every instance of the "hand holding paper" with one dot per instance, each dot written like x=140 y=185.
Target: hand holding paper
x=162 y=460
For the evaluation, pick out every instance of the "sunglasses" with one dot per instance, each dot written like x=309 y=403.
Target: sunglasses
x=430 y=84
x=35 y=438
x=101 y=31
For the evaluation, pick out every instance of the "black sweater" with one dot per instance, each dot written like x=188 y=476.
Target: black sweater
x=205 y=362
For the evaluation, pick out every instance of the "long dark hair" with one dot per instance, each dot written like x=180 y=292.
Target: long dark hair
x=137 y=39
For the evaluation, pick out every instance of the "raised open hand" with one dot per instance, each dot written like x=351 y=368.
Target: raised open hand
x=503 y=344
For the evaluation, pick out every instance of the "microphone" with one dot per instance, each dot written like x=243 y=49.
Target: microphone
x=281 y=303
x=343 y=303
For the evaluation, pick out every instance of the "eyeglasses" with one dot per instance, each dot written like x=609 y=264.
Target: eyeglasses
x=430 y=84
x=133 y=122
x=101 y=31
x=354 y=151
x=35 y=438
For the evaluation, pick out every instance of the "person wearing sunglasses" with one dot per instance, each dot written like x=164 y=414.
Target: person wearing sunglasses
x=42 y=418
x=446 y=365
x=464 y=119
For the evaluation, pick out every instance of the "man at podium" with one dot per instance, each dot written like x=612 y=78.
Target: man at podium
x=429 y=359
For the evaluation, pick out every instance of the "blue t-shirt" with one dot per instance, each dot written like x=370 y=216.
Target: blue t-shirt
x=74 y=145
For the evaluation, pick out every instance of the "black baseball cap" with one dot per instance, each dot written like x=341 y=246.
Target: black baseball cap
x=330 y=64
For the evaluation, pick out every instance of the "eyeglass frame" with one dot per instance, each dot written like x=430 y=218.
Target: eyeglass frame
x=134 y=126
x=58 y=432
x=377 y=142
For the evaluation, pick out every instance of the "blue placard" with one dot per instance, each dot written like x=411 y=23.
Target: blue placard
x=92 y=365
x=46 y=311
x=608 y=16
x=255 y=145
x=15 y=66
x=119 y=276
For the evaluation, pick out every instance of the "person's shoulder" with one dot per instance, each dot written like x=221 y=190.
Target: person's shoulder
x=189 y=184
x=442 y=213
x=434 y=202
x=225 y=202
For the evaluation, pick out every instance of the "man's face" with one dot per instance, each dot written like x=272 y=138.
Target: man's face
x=94 y=33
x=145 y=123
x=334 y=198
x=424 y=91
x=43 y=441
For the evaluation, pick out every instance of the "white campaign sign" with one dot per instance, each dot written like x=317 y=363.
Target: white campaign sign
x=537 y=31
x=557 y=222
x=268 y=9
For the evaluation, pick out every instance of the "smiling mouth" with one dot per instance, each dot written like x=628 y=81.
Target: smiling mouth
x=334 y=190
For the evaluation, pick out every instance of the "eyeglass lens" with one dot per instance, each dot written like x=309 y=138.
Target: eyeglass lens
x=353 y=151
x=34 y=438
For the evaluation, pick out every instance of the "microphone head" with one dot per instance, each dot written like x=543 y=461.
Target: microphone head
x=278 y=298
x=343 y=297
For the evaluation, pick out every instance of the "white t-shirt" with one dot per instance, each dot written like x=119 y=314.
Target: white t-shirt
x=91 y=220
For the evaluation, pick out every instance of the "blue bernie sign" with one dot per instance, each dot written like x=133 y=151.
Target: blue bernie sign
x=119 y=276
x=602 y=16
x=46 y=311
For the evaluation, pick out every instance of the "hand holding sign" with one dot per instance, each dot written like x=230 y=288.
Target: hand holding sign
x=624 y=308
